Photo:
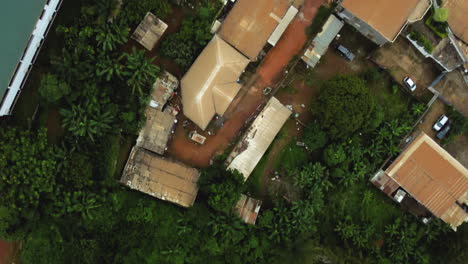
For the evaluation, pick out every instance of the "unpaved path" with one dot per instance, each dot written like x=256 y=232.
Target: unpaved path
x=249 y=98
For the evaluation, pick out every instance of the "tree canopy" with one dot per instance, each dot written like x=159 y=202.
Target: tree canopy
x=344 y=106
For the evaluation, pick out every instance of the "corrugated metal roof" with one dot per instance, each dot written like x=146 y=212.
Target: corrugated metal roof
x=279 y=30
x=250 y=23
x=210 y=85
x=248 y=208
x=434 y=178
x=23 y=30
x=149 y=31
x=157 y=130
x=258 y=138
x=321 y=42
x=160 y=177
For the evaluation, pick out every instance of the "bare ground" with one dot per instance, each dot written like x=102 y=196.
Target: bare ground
x=401 y=59
x=454 y=90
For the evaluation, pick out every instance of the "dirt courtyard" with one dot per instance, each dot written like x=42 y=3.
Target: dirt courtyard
x=250 y=98
x=454 y=90
x=401 y=59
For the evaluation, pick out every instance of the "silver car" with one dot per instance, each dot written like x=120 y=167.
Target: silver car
x=441 y=122
x=409 y=83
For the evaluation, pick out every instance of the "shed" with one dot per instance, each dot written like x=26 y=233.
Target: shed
x=157 y=130
x=250 y=149
x=149 y=31
x=247 y=209
x=160 y=177
x=283 y=25
x=163 y=89
x=321 y=42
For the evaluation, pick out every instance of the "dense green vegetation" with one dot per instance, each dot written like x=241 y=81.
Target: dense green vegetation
x=64 y=203
x=422 y=40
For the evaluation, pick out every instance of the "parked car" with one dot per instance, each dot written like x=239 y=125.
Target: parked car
x=343 y=51
x=409 y=83
x=442 y=133
x=441 y=122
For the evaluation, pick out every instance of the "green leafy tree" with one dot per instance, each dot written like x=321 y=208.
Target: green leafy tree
x=345 y=106
x=441 y=15
x=334 y=155
x=52 y=89
x=314 y=138
x=140 y=71
x=222 y=187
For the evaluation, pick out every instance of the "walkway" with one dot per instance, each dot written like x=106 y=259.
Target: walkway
x=250 y=97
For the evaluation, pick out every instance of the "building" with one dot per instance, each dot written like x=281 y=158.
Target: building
x=160 y=177
x=424 y=171
x=157 y=131
x=381 y=20
x=283 y=25
x=458 y=9
x=24 y=25
x=320 y=43
x=163 y=90
x=211 y=83
x=247 y=209
x=250 y=149
x=149 y=31
x=250 y=24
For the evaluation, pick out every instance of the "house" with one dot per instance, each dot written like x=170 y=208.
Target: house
x=24 y=25
x=427 y=173
x=250 y=149
x=250 y=24
x=160 y=177
x=149 y=31
x=247 y=209
x=381 y=20
x=157 y=131
x=458 y=9
x=163 y=90
x=320 y=43
x=211 y=83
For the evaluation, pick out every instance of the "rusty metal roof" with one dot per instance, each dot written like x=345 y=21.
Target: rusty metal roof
x=434 y=178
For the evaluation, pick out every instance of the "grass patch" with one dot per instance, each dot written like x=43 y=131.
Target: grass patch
x=253 y=184
x=291 y=157
x=439 y=28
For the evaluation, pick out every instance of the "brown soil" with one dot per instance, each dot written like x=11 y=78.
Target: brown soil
x=249 y=99
x=437 y=109
x=459 y=150
x=7 y=252
x=401 y=59
x=454 y=90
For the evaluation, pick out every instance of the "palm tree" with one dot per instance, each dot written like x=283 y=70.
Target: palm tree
x=140 y=71
x=109 y=35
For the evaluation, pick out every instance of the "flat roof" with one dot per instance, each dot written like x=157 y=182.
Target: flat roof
x=251 y=22
x=17 y=21
x=248 y=152
x=387 y=17
x=160 y=177
x=434 y=178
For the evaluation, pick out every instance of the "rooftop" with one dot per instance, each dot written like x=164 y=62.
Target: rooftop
x=250 y=24
x=434 y=178
x=157 y=130
x=457 y=17
x=210 y=84
x=250 y=149
x=149 y=31
x=248 y=208
x=159 y=177
x=163 y=89
x=387 y=17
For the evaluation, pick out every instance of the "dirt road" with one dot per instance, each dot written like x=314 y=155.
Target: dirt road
x=250 y=97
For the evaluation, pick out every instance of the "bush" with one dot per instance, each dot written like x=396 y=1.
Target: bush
x=322 y=15
x=314 y=138
x=458 y=124
x=52 y=89
x=422 y=41
x=440 y=15
x=439 y=28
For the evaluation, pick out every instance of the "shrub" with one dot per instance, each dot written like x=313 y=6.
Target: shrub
x=440 y=15
x=52 y=89
x=422 y=41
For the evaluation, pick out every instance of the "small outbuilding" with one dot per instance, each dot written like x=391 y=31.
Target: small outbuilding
x=157 y=130
x=248 y=208
x=160 y=177
x=163 y=90
x=149 y=31
x=320 y=44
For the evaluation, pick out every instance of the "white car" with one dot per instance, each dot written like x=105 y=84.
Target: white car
x=440 y=123
x=409 y=83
